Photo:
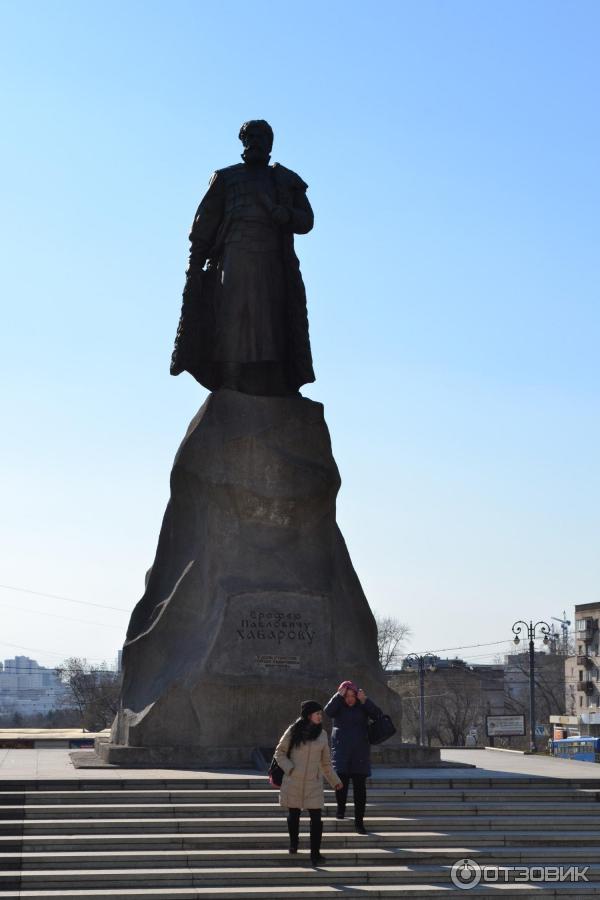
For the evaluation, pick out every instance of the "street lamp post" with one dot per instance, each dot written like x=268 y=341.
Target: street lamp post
x=518 y=628
x=422 y=662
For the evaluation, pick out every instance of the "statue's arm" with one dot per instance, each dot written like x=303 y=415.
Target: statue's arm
x=293 y=213
x=302 y=217
x=206 y=223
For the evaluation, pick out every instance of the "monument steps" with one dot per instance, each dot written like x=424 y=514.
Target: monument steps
x=544 y=809
x=236 y=784
x=247 y=839
x=313 y=891
x=240 y=877
x=445 y=791
x=279 y=858
x=203 y=810
x=142 y=839
x=269 y=817
x=123 y=824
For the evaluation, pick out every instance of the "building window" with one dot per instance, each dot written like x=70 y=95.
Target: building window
x=580 y=625
x=581 y=674
x=580 y=700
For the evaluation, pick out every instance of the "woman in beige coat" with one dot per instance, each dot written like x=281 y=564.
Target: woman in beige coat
x=303 y=754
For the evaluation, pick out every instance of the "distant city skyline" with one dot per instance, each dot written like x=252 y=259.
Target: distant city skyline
x=28 y=688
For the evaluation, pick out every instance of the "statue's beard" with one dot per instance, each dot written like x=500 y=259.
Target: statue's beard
x=255 y=156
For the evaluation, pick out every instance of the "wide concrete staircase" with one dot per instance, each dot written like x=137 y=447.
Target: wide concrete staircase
x=145 y=838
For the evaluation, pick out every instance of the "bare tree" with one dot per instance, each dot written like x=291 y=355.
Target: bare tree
x=461 y=709
x=391 y=634
x=549 y=685
x=408 y=688
x=454 y=705
x=94 y=692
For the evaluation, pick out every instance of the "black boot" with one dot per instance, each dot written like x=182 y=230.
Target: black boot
x=359 y=813
x=293 y=824
x=340 y=798
x=316 y=833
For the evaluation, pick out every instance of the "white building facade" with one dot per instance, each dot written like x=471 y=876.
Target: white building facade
x=28 y=688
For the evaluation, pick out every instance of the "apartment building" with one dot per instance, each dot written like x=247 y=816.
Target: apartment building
x=582 y=669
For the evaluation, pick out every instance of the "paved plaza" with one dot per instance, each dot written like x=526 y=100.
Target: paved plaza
x=44 y=763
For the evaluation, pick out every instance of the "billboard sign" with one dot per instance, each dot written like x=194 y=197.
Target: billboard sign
x=564 y=720
x=504 y=726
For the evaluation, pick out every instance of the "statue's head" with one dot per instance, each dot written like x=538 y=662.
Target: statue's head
x=257 y=138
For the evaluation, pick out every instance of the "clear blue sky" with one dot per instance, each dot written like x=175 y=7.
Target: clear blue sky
x=451 y=151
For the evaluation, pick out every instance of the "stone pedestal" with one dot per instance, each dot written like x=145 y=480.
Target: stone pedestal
x=252 y=604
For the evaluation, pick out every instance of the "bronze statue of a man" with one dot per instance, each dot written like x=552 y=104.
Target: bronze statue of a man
x=243 y=323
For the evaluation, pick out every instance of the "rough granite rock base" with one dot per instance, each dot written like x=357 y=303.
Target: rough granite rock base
x=106 y=753
x=252 y=604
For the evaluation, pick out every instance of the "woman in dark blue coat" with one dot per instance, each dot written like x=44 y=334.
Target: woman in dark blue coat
x=351 y=710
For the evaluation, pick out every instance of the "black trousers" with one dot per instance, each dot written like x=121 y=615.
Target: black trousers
x=316 y=828
x=359 y=789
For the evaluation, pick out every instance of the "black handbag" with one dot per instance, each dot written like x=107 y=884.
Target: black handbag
x=275 y=773
x=381 y=729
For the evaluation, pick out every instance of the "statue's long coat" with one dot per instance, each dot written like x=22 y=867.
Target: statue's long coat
x=197 y=341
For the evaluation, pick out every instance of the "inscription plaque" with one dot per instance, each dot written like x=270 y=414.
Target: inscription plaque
x=274 y=631
x=274 y=625
x=269 y=661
